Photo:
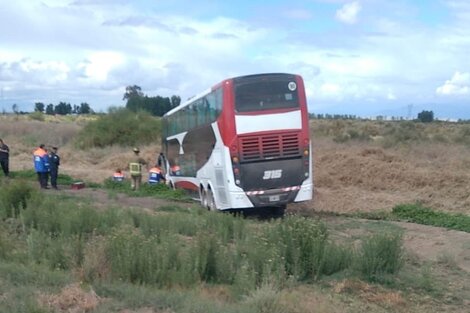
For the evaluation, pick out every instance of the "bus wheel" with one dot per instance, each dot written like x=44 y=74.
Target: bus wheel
x=210 y=200
x=203 y=197
x=279 y=211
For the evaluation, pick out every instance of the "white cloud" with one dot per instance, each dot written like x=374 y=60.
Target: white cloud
x=99 y=64
x=459 y=84
x=34 y=72
x=349 y=12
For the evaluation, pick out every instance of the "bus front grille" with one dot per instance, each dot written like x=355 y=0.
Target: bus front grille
x=269 y=146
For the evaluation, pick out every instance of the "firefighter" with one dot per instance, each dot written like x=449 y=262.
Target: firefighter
x=135 y=169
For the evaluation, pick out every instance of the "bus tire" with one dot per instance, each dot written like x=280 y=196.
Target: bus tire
x=279 y=211
x=203 y=197
x=210 y=200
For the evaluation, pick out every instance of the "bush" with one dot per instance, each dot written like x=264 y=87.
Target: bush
x=14 y=196
x=380 y=254
x=37 y=116
x=120 y=127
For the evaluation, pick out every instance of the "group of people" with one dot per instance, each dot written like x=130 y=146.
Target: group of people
x=155 y=174
x=46 y=164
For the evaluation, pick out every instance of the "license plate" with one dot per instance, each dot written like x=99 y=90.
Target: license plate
x=274 y=198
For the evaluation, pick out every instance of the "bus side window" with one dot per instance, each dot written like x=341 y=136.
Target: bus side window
x=192 y=116
x=201 y=118
x=207 y=118
x=218 y=100
x=212 y=108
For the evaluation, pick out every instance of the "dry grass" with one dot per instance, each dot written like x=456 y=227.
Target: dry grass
x=72 y=299
x=361 y=176
x=357 y=175
x=371 y=294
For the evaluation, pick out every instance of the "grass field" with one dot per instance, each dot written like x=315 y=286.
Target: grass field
x=351 y=249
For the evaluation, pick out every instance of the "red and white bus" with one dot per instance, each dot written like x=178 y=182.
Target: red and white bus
x=244 y=143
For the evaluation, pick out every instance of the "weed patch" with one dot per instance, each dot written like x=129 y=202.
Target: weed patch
x=14 y=197
x=380 y=255
x=161 y=191
x=417 y=214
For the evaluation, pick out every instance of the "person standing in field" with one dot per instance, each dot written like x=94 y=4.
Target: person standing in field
x=135 y=169
x=4 y=158
x=41 y=161
x=54 y=161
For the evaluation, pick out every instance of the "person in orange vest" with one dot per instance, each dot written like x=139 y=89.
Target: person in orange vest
x=41 y=166
x=175 y=170
x=155 y=175
x=118 y=175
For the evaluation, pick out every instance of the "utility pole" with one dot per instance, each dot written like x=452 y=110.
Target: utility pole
x=410 y=110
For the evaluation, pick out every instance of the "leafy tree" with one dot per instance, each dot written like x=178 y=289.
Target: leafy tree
x=75 y=109
x=84 y=108
x=39 y=107
x=157 y=105
x=63 y=108
x=132 y=91
x=14 y=108
x=426 y=116
x=175 y=101
x=50 y=109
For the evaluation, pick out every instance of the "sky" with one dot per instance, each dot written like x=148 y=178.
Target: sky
x=362 y=57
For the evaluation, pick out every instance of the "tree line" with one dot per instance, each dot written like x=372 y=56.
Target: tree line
x=424 y=116
x=63 y=108
x=157 y=106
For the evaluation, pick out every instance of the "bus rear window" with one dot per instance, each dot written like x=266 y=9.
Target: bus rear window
x=265 y=93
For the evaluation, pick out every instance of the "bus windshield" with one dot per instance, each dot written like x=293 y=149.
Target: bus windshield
x=265 y=92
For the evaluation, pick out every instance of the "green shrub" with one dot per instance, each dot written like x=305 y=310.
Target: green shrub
x=418 y=214
x=36 y=116
x=14 y=197
x=265 y=299
x=120 y=127
x=161 y=191
x=380 y=254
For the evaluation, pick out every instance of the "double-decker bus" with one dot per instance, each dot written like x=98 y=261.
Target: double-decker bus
x=244 y=143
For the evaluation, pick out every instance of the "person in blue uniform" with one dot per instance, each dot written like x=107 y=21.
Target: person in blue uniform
x=54 y=162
